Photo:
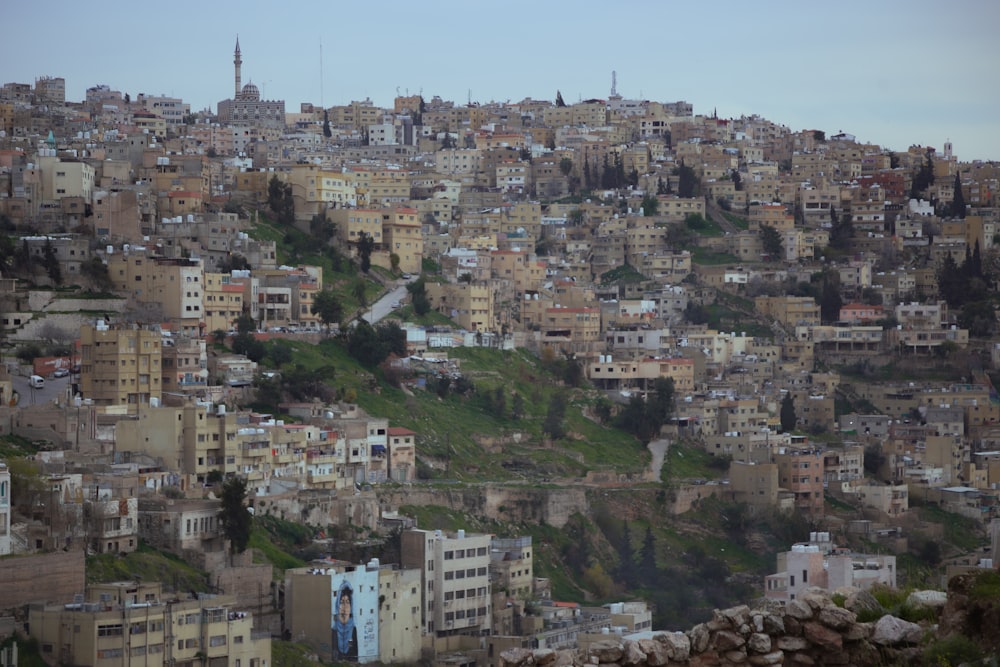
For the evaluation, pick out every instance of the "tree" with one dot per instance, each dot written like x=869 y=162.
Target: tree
x=418 y=296
x=626 y=558
x=327 y=306
x=517 y=407
x=559 y=99
x=279 y=354
x=322 y=229
x=248 y=345
x=566 y=166
x=650 y=205
x=687 y=182
x=234 y=262
x=647 y=556
x=924 y=178
x=275 y=193
x=326 y=124
x=829 y=300
x=841 y=230
x=236 y=519
x=553 y=425
x=95 y=269
x=737 y=180
x=366 y=246
x=958 y=201
x=358 y=290
x=51 y=262
x=788 y=418
x=773 y=245
x=394 y=262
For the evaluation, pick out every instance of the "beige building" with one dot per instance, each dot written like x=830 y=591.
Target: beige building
x=120 y=365
x=791 y=311
x=470 y=305
x=174 y=286
x=129 y=623
x=387 y=602
x=403 y=238
x=455 y=579
x=223 y=301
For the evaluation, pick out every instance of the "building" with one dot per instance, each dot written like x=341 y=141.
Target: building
x=801 y=472
x=356 y=613
x=246 y=107
x=120 y=364
x=5 y=509
x=455 y=580
x=126 y=622
x=821 y=564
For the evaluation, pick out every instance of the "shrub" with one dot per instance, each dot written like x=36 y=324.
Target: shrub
x=956 y=650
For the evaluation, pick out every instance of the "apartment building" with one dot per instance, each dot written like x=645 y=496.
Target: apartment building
x=223 y=300
x=403 y=238
x=356 y=613
x=120 y=364
x=791 y=311
x=470 y=305
x=455 y=580
x=801 y=472
x=755 y=484
x=172 y=285
x=126 y=622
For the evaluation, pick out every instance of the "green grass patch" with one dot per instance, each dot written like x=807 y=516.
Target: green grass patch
x=148 y=564
x=708 y=257
x=687 y=462
x=622 y=274
x=986 y=587
x=963 y=533
x=735 y=220
x=292 y=654
x=702 y=226
x=14 y=446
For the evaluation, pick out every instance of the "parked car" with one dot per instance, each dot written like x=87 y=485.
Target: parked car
x=60 y=373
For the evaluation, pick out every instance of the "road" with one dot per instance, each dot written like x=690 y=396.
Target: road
x=54 y=388
x=381 y=308
x=658 y=448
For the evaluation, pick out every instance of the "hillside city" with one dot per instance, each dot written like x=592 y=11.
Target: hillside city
x=431 y=383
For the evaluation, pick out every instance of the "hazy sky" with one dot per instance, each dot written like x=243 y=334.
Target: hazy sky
x=892 y=72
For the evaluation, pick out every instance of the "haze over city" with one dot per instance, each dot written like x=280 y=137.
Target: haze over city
x=890 y=73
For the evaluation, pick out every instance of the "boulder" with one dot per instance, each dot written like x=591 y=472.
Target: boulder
x=764 y=659
x=544 y=657
x=774 y=625
x=678 y=645
x=737 y=616
x=699 y=636
x=606 y=650
x=735 y=657
x=516 y=657
x=727 y=640
x=836 y=618
x=892 y=631
x=632 y=654
x=798 y=609
x=759 y=643
x=657 y=653
x=792 y=643
x=822 y=636
x=935 y=600
x=862 y=601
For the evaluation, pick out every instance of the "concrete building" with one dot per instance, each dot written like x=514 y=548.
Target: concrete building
x=120 y=365
x=126 y=622
x=246 y=107
x=5 y=509
x=801 y=472
x=384 y=608
x=455 y=580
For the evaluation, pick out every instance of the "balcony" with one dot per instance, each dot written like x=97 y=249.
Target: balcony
x=321 y=478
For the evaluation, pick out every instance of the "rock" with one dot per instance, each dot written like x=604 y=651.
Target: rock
x=816 y=598
x=707 y=659
x=657 y=653
x=836 y=618
x=857 y=632
x=545 y=657
x=759 y=643
x=798 y=609
x=679 y=645
x=803 y=659
x=792 y=643
x=773 y=658
x=774 y=625
x=927 y=600
x=699 y=636
x=516 y=657
x=892 y=631
x=793 y=626
x=632 y=654
x=737 y=616
x=735 y=657
x=726 y=640
x=606 y=650
x=862 y=601
x=836 y=658
x=822 y=636
x=757 y=622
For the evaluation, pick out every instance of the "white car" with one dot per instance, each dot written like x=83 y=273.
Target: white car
x=60 y=373
x=395 y=305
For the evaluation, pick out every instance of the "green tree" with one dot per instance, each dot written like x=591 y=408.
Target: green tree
x=647 y=556
x=566 y=166
x=517 y=407
x=366 y=246
x=248 y=345
x=327 y=306
x=279 y=354
x=841 y=230
x=773 y=245
x=322 y=229
x=687 y=182
x=95 y=269
x=236 y=519
x=559 y=99
x=958 y=201
x=924 y=178
x=394 y=262
x=358 y=290
x=275 y=194
x=626 y=558
x=830 y=301
x=245 y=324
x=51 y=262
x=553 y=425
x=326 y=124
x=787 y=414
x=650 y=205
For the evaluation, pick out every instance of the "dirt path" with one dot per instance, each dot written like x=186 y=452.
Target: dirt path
x=658 y=448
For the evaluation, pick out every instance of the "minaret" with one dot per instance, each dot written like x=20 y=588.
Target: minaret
x=238 y=61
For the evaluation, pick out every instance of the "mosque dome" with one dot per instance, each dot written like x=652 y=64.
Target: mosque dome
x=250 y=93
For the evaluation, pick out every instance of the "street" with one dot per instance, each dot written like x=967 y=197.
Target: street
x=381 y=308
x=54 y=388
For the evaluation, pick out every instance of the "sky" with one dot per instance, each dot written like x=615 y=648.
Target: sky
x=891 y=72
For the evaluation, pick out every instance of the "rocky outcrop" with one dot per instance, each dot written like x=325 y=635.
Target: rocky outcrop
x=811 y=630
x=973 y=609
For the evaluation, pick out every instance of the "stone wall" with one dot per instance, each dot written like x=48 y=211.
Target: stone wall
x=503 y=503
x=811 y=630
x=52 y=577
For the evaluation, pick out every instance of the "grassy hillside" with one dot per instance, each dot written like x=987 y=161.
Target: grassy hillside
x=148 y=564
